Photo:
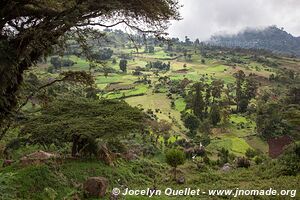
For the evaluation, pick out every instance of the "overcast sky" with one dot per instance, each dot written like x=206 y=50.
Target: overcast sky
x=203 y=18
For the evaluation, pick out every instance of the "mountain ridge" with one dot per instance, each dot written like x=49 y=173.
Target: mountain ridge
x=270 y=38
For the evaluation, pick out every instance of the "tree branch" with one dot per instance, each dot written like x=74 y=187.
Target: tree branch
x=39 y=89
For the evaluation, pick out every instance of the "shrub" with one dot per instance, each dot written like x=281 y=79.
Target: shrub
x=242 y=162
x=174 y=158
x=258 y=159
x=116 y=146
x=191 y=122
x=223 y=155
x=204 y=139
x=200 y=164
x=150 y=150
x=206 y=160
x=289 y=161
x=251 y=153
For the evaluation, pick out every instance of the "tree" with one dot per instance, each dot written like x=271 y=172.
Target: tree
x=250 y=88
x=246 y=88
x=240 y=77
x=58 y=62
x=150 y=49
x=189 y=56
x=191 y=122
x=223 y=155
x=216 y=89
x=30 y=29
x=123 y=65
x=159 y=65
x=197 y=42
x=174 y=158
x=270 y=121
x=159 y=128
x=81 y=121
x=198 y=103
x=187 y=40
x=102 y=54
x=290 y=160
x=215 y=116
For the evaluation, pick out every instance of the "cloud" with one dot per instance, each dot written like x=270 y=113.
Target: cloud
x=202 y=18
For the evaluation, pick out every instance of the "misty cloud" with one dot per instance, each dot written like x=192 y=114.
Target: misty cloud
x=202 y=18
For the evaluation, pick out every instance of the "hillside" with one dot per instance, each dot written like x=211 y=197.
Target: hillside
x=271 y=38
x=119 y=114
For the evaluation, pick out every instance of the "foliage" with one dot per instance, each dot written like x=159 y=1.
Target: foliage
x=290 y=160
x=251 y=153
x=31 y=32
x=204 y=139
x=158 y=65
x=246 y=88
x=123 y=65
x=103 y=54
x=58 y=62
x=270 y=121
x=6 y=189
x=149 y=49
x=242 y=162
x=116 y=146
x=223 y=155
x=191 y=122
x=174 y=158
x=94 y=119
x=215 y=116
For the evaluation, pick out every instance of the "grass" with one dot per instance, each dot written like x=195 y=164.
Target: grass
x=218 y=68
x=81 y=64
x=180 y=104
x=257 y=143
x=52 y=181
x=234 y=144
x=238 y=119
x=190 y=76
x=138 y=90
x=111 y=78
x=158 y=101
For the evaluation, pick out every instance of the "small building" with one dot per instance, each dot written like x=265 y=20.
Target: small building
x=277 y=145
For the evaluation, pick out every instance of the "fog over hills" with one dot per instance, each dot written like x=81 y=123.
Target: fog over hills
x=270 y=38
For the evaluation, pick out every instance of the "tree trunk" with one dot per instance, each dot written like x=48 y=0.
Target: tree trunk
x=75 y=145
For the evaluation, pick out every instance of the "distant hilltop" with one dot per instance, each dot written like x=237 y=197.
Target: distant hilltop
x=270 y=38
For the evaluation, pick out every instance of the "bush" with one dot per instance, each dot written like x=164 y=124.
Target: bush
x=174 y=158
x=290 y=160
x=223 y=155
x=258 y=159
x=103 y=54
x=116 y=146
x=251 y=153
x=200 y=164
x=206 y=160
x=191 y=122
x=205 y=139
x=51 y=69
x=242 y=162
x=150 y=150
